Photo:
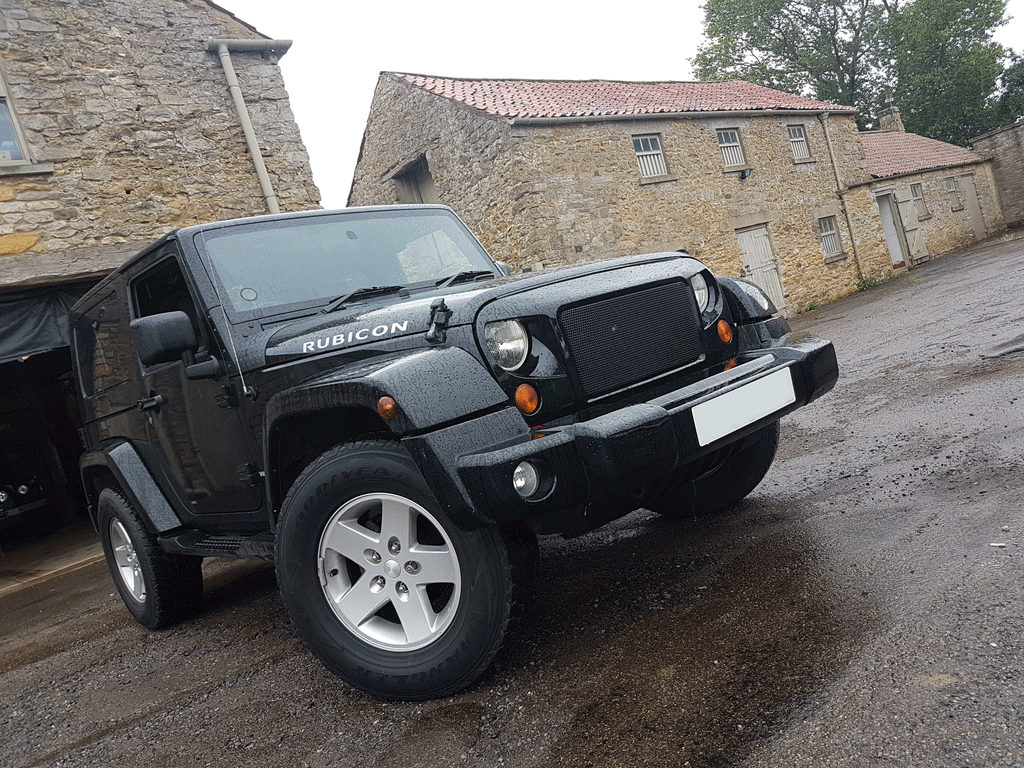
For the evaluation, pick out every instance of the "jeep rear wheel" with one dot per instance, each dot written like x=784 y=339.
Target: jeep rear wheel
x=726 y=485
x=386 y=591
x=158 y=588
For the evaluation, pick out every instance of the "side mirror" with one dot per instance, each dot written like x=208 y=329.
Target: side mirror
x=163 y=338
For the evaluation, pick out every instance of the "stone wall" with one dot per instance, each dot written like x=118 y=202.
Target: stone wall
x=544 y=195
x=1006 y=147
x=941 y=226
x=131 y=131
x=470 y=157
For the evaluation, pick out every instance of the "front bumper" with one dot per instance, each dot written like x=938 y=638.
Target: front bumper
x=596 y=470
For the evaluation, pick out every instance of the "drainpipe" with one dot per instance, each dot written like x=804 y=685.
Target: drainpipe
x=223 y=48
x=822 y=117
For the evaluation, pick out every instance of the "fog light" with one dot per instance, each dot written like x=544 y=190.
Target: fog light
x=3 y=497
x=23 y=490
x=526 y=479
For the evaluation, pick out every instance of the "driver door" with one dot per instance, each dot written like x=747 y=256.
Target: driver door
x=195 y=426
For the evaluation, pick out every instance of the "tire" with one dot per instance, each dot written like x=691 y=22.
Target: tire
x=388 y=593
x=158 y=588
x=725 y=486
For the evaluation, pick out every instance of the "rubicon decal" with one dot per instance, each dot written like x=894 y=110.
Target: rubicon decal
x=363 y=334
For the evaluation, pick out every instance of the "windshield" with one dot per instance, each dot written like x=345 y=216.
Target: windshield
x=311 y=261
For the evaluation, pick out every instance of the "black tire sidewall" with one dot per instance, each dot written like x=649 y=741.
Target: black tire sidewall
x=468 y=644
x=112 y=506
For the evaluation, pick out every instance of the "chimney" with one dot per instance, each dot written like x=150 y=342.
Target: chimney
x=890 y=120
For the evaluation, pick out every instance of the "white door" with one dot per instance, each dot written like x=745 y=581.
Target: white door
x=887 y=211
x=759 y=264
x=970 y=193
x=913 y=235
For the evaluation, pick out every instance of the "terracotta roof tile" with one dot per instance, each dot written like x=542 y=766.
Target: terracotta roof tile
x=596 y=98
x=890 y=153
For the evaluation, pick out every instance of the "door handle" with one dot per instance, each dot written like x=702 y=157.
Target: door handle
x=151 y=403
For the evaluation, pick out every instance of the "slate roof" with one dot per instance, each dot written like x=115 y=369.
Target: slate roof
x=554 y=99
x=890 y=153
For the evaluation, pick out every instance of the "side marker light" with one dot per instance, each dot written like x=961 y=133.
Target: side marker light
x=387 y=408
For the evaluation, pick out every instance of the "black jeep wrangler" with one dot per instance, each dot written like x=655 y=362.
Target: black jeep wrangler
x=366 y=397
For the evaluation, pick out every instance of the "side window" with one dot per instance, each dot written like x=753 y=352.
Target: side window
x=917 y=193
x=12 y=145
x=798 y=142
x=729 y=144
x=649 y=156
x=830 y=243
x=953 y=191
x=163 y=289
x=99 y=339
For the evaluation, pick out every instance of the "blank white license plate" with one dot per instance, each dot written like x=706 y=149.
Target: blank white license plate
x=734 y=410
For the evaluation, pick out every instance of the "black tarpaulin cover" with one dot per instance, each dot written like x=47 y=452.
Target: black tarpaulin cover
x=36 y=321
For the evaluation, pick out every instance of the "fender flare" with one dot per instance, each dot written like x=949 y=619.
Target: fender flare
x=417 y=381
x=758 y=321
x=121 y=459
x=430 y=410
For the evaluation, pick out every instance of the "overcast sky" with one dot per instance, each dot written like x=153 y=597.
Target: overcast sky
x=339 y=50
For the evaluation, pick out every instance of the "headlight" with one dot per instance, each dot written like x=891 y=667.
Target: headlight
x=23 y=489
x=700 y=290
x=508 y=343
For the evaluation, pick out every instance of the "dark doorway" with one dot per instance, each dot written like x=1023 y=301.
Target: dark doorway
x=39 y=446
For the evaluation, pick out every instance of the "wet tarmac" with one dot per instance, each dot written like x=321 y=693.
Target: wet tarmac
x=863 y=607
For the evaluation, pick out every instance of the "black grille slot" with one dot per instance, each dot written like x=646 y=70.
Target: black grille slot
x=621 y=340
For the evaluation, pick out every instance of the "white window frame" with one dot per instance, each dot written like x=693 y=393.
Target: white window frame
x=798 y=142
x=731 y=148
x=650 y=157
x=828 y=229
x=917 y=195
x=15 y=137
x=956 y=202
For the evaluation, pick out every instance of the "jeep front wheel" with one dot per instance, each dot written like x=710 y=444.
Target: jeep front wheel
x=386 y=591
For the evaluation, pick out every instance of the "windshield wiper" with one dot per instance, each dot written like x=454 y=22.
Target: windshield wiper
x=361 y=293
x=464 y=277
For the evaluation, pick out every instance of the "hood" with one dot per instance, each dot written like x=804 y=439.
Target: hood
x=394 y=318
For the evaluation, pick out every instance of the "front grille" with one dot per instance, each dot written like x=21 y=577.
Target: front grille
x=625 y=339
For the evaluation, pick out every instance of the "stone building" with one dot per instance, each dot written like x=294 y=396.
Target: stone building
x=931 y=196
x=1006 y=148
x=751 y=180
x=119 y=121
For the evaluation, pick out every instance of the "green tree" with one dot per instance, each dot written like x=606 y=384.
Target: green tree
x=825 y=49
x=947 y=67
x=1010 y=104
x=935 y=59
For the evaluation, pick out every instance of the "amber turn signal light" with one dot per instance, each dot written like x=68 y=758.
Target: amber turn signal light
x=387 y=408
x=730 y=365
x=724 y=331
x=527 y=399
